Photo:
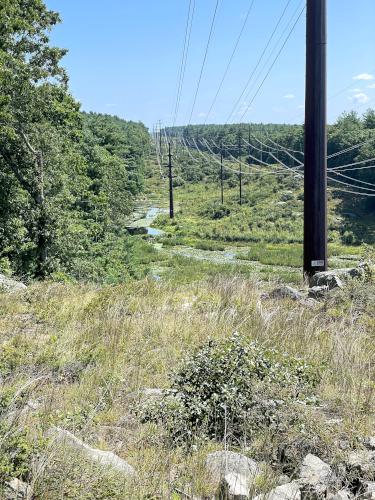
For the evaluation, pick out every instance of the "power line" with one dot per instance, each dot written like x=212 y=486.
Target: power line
x=351 y=148
x=352 y=164
x=272 y=65
x=351 y=185
x=273 y=149
x=286 y=170
x=260 y=59
x=204 y=60
x=230 y=59
x=276 y=45
x=185 y=50
x=356 y=180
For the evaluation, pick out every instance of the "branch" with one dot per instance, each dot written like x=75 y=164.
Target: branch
x=29 y=146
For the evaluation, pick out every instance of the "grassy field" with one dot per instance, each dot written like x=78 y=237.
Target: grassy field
x=79 y=356
x=75 y=355
x=267 y=228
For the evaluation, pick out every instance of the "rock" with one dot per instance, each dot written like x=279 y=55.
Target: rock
x=368 y=490
x=315 y=477
x=286 y=292
x=105 y=458
x=9 y=285
x=233 y=473
x=317 y=292
x=283 y=479
x=233 y=486
x=370 y=443
x=343 y=494
x=289 y=491
x=332 y=279
x=134 y=230
x=363 y=462
x=17 y=490
x=326 y=278
x=309 y=302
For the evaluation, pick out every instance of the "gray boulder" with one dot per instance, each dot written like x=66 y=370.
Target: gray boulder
x=233 y=473
x=289 y=491
x=333 y=279
x=368 y=489
x=105 y=458
x=370 y=443
x=315 y=477
x=317 y=292
x=286 y=292
x=233 y=486
x=329 y=279
x=17 y=490
x=10 y=286
x=362 y=462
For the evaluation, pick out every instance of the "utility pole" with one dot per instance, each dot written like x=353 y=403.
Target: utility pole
x=221 y=174
x=171 y=210
x=239 y=156
x=315 y=183
x=160 y=149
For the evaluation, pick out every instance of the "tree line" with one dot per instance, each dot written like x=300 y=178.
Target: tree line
x=349 y=129
x=67 y=178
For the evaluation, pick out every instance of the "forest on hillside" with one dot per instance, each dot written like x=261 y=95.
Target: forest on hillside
x=268 y=140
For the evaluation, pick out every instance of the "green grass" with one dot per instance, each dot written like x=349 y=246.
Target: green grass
x=123 y=338
x=292 y=255
x=268 y=225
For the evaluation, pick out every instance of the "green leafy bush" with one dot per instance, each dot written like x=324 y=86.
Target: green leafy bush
x=15 y=453
x=215 y=210
x=234 y=387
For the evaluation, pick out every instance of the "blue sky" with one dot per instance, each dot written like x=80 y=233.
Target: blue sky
x=124 y=57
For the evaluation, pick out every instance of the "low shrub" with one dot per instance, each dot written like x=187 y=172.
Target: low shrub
x=232 y=387
x=215 y=210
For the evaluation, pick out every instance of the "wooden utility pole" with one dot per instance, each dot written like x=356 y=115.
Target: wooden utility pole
x=221 y=174
x=315 y=183
x=171 y=208
x=240 y=174
x=160 y=148
x=249 y=142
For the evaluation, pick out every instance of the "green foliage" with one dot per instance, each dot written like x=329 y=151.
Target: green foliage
x=16 y=450
x=67 y=179
x=215 y=210
x=15 y=453
x=233 y=386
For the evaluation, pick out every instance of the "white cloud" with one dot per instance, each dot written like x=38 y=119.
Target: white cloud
x=360 y=98
x=364 y=76
x=371 y=86
x=355 y=90
x=289 y=96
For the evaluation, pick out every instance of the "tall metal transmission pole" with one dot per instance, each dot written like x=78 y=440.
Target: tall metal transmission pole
x=315 y=183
